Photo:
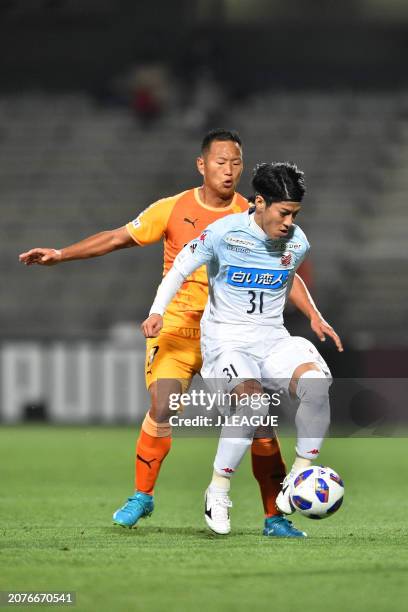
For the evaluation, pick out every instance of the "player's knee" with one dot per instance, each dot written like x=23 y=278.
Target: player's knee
x=313 y=385
x=160 y=411
x=160 y=394
x=249 y=394
x=252 y=405
x=259 y=405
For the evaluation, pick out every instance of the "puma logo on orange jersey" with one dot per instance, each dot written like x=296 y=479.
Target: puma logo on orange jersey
x=187 y=220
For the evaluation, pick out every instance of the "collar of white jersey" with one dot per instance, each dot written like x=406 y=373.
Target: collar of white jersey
x=252 y=224
x=255 y=227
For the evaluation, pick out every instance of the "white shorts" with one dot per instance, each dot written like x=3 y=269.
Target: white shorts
x=232 y=354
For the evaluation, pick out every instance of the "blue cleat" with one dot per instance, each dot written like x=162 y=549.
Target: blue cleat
x=140 y=505
x=280 y=527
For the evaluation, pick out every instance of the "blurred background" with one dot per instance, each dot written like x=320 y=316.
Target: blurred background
x=103 y=105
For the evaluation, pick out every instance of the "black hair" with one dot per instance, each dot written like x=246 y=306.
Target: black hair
x=251 y=202
x=219 y=134
x=279 y=182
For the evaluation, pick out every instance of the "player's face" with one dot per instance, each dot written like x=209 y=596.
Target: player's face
x=221 y=167
x=276 y=219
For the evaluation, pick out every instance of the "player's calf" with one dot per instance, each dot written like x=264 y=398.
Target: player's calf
x=312 y=421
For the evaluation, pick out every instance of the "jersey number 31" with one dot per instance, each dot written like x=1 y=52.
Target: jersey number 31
x=253 y=304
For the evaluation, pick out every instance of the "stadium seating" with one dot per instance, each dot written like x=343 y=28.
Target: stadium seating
x=70 y=167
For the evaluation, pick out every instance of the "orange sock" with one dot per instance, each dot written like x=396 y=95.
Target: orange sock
x=152 y=448
x=269 y=469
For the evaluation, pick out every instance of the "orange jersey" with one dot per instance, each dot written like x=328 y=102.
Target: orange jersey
x=178 y=220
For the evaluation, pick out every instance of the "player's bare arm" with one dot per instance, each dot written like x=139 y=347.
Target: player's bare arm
x=302 y=299
x=93 y=246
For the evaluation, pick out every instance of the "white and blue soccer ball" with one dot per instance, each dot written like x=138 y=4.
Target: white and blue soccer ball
x=317 y=492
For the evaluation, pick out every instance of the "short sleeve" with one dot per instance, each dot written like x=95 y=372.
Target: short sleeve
x=302 y=257
x=303 y=253
x=151 y=224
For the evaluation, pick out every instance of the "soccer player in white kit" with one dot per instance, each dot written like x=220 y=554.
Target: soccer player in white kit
x=251 y=260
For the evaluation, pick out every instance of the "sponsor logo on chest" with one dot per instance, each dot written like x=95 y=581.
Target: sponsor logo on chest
x=240 y=242
x=283 y=245
x=287 y=258
x=256 y=278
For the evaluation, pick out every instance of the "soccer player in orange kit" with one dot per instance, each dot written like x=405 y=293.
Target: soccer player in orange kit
x=174 y=357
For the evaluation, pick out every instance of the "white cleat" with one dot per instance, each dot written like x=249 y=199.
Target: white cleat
x=283 y=502
x=216 y=511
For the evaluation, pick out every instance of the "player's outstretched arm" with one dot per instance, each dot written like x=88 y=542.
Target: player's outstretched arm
x=302 y=299
x=93 y=246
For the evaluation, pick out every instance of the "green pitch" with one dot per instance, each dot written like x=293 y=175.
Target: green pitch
x=59 y=487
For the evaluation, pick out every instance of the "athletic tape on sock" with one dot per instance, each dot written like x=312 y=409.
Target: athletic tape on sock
x=157 y=430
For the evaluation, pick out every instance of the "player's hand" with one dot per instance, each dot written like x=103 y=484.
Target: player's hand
x=152 y=325
x=43 y=257
x=322 y=329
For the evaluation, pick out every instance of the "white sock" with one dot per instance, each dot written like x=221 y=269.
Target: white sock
x=313 y=414
x=301 y=463
x=235 y=441
x=230 y=453
x=220 y=484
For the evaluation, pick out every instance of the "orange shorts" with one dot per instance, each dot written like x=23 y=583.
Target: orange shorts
x=175 y=354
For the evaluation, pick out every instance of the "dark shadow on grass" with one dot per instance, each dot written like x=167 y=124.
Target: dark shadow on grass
x=370 y=569
x=197 y=532
x=143 y=532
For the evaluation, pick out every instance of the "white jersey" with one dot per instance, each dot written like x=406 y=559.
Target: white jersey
x=249 y=274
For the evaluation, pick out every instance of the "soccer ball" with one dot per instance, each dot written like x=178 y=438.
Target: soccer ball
x=317 y=492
